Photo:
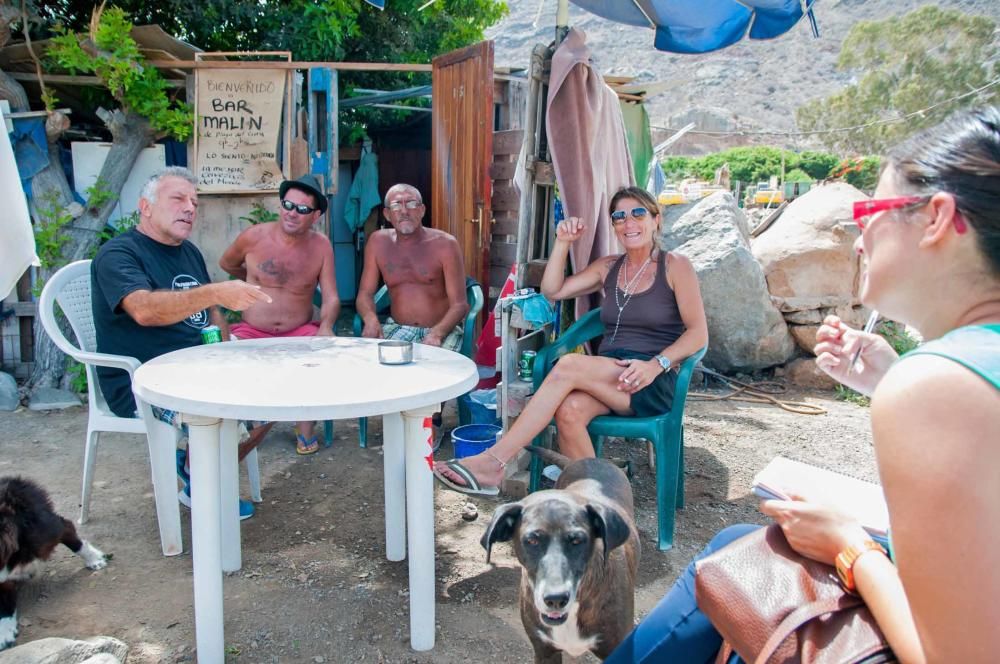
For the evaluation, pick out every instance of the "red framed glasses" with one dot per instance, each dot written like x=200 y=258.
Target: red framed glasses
x=863 y=210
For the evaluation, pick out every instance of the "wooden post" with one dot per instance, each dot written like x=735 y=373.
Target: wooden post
x=534 y=126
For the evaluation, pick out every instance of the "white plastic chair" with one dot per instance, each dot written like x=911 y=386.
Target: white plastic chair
x=70 y=288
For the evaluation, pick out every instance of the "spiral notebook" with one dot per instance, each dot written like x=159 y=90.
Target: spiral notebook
x=862 y=500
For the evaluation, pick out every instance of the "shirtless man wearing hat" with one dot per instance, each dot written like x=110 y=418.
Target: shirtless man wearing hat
x=287 y=259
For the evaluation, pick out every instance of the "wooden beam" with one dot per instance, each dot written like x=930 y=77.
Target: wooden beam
x=25 y=309
x=271 y=64
x=503 y=170
x=502 y=253
x=499 y=92
x=505 y=197
x=508 y=142
x=533 y=272
x=545 y=173
x=35 y=114
x=504 y=223
x=72 y=80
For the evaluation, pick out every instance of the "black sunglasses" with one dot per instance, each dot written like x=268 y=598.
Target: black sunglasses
x=301 y=209
x=618 y=217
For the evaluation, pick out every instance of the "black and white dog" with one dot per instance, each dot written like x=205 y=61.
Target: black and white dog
x=579 y=550
x=29 y=531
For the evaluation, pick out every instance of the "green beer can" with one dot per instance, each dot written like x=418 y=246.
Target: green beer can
x=211 y=334
x=526 y=364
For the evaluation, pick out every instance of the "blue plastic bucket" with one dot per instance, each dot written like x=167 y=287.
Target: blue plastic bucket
x=471 y=439
x=471 y=411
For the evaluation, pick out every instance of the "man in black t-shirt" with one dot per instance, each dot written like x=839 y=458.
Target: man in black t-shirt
x=151 y=293
x=151 y=289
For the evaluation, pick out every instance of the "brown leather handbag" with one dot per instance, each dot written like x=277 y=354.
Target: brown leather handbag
x=774 y=606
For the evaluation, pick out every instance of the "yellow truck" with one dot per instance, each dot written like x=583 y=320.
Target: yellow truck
x=768 y=195
x=670 y=196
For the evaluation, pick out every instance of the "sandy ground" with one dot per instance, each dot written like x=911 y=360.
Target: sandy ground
x=315 y=585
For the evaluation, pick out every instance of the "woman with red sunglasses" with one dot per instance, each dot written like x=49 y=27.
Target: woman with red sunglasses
x=930 y=242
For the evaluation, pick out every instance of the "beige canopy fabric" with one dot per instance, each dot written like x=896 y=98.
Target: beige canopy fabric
x=586 y=137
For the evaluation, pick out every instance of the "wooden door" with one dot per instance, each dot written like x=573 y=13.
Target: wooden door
x=462 y=151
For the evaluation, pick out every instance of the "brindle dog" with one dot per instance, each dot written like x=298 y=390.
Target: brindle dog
x=579 y=550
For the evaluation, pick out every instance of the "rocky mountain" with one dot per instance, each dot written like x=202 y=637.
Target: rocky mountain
x=752 y=86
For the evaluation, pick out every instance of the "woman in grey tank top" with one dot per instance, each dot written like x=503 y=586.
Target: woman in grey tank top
x=653 y=318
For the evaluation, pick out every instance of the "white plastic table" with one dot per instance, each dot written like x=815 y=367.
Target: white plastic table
x=294 y=380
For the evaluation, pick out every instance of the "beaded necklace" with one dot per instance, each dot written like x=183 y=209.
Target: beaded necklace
x=629 y=290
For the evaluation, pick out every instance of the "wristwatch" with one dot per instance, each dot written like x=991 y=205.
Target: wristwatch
x=846 y=559
x=664 y=362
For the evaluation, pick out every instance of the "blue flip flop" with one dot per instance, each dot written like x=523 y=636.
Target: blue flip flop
x=304 y=447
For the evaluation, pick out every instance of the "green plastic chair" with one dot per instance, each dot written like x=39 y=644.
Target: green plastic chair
x=665 y=432
x=473 y=294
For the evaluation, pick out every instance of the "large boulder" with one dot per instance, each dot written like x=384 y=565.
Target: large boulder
x=809 y=260
x=54 y=650
x=803 y=372
x=745 y=330
x=808 y=254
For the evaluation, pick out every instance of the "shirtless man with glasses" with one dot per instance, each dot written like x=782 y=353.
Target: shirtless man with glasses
x=424 y=271
x=287 y=259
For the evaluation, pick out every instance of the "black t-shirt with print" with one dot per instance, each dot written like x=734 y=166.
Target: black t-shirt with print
x=128 y=263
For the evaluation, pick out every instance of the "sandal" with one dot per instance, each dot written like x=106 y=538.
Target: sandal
x=471 y=487
x=303 y=446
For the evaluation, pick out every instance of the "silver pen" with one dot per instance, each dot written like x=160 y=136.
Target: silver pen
x=869 y=326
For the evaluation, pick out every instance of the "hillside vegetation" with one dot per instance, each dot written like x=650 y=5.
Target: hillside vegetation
x=754 y=85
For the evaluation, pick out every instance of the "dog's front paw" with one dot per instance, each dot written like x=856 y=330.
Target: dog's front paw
x=93 y=558
x=8 y=631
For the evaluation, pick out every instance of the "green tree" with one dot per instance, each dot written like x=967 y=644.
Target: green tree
x=748 y=164
x=798 y=175
x=64 y=230
x=928 y=59
x=317 y=30
x=817 y=164
x=860 y=172
x=677 y=168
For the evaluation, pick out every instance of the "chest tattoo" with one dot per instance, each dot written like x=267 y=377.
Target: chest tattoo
x=275 y=270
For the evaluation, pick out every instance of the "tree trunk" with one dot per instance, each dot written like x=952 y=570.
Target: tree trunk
x=130 y=134
x=13 y=92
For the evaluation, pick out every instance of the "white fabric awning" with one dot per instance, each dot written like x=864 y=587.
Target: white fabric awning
x=17 y=241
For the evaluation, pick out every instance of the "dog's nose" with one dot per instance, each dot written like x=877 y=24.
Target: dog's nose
x=557 y=601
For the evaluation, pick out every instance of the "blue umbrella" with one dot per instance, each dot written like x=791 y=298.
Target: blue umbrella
x=700 y=26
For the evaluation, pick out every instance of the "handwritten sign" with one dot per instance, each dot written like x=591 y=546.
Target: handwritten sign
x=238 y=118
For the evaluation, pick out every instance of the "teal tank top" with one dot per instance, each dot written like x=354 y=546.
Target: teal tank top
x=975 y=347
